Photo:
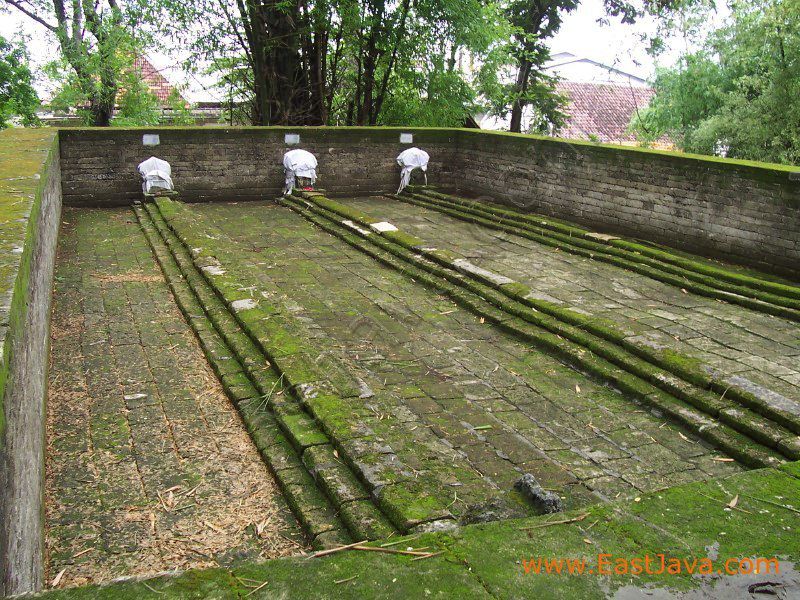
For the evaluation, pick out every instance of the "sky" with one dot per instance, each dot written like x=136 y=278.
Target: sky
x=614 y=44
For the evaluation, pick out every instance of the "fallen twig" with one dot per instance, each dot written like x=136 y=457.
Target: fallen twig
x=396 y=542
x=429 y=555
x=337 y=549
x=778 y=504
x=338 y=581
x=389 y=550
x=155 y=591
x=256 y=589
x=562 y=522
x=726 y=504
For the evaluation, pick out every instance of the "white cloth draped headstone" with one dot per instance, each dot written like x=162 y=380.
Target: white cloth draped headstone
x=156 y=175
x=409 y=160
x=298 y=163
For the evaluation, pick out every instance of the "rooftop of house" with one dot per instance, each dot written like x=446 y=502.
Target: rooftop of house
x=156 y=81
x=602 y=110
x=583 y=69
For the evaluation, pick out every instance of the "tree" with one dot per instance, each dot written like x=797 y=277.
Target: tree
x=17 y=96
x=93 y=38
x=332 y=61
x=535 y=21
x=740 y=94
x=371 y=62
x=137 y=105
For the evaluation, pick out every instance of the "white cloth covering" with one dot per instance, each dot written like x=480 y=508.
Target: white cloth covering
x=409 y=160
x=156 y=175
x=298 y=163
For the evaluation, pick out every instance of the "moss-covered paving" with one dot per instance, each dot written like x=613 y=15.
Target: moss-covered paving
x=680 y=391
x=751 y=350
x=149 y=467
x=323 y=493
x=732 y=522
x=443 y=392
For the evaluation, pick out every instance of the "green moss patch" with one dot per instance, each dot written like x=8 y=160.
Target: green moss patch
x=500 y=559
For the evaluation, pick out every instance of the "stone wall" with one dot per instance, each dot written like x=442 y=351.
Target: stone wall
x=740 y=211
x=744 y=212
x=215 y=164
x=30 y=201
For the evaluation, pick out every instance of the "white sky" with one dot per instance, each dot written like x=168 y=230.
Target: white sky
x=613 y=44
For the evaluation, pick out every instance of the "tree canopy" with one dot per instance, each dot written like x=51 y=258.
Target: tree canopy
x=739 y=95
x=18 y=99
x=315 y=62
x=94 y=39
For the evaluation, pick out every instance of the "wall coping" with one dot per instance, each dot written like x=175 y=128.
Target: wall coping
x=773 y=169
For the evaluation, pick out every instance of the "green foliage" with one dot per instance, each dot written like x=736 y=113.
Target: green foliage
x=533 y=23
x=94 y=41
x=18 y=99
x=180 y=112
x=137 y=104
x=413 y=62
x=740 y=94
x=436 y=97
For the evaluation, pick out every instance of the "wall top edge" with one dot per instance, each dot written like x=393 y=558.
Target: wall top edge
x=640 y=151
x=584 y=145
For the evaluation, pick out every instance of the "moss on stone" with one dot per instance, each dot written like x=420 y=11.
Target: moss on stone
x=654 y=263
x=490 y=560
x=629 y=373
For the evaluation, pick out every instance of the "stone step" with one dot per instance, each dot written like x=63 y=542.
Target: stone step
x=713 y=276
x=324 y=387
x=624 y=374
x=282 y=432
x=680 y=366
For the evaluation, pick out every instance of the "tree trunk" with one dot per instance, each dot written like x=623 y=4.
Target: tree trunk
x=520 y=87
x=108 y=87
x=101 y=111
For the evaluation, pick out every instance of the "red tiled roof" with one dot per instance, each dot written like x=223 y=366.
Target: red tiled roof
x=157 y=83
x=601 y=109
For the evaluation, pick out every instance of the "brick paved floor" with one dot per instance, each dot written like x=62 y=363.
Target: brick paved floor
x=436 y=370
x=149 y=467
x=752 y=347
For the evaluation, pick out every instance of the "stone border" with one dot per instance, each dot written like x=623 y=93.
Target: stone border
x=738 y=210
x=31 y=182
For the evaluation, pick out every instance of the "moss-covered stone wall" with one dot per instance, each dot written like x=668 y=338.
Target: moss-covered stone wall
x=212 y=164
x=30 y=204
x=743 y=211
